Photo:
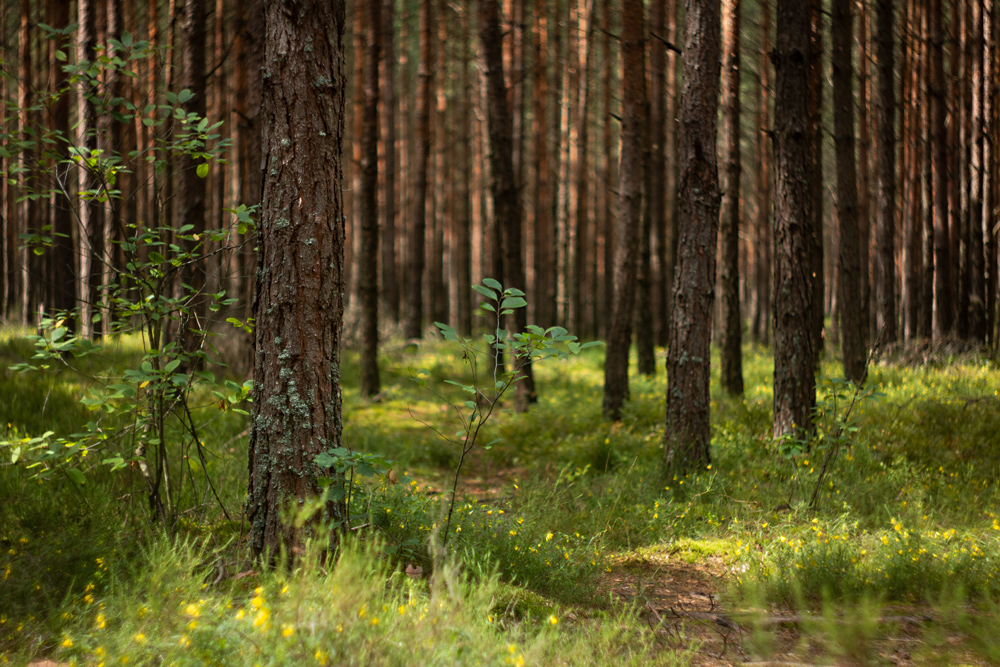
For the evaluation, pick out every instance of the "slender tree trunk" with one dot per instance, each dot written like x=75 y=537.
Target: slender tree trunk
x=462 y=234
x=990 y=159
x=63 y=274
x=581 y=218
x=958 y=140
x=609 y=227
x=643 y=311
x=27 y=208
x=688 y=361
x=729 y=237
x=544 y=257
x=390 y=289
x=853 y=325
x=977 y=292
x=91 y=212
x=763 y=246
x=912 y=159
x=440 y=181
x=506 y=197
x=816 y=79
x=297 y=411
x=6 y=226
x=927 y=184
x=656 y=193
x=885 y=265
x=943 y=291
x=864 y=160
x=794 y=356
x=191 y=193
x=414 y=306
x=368 y=277
x=627 y=242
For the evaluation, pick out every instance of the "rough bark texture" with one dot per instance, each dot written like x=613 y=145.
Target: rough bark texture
x=413 y=310
x=544 y=255
x=688 y=362
x=885 y=98
x=976 y=266
x=794 y=356
x=390 y=286
x=816 y=78
x=990 y=161
x=63 y=262
x=729 y=226
x=368 y=273
x=506 y=197
x=627 y=241
x=191 y=190
x=656 y=194
x=943 y=293
x=300 y=282
x=462 y=230
x=853 y=327
x=761 y=325
x=864 y=161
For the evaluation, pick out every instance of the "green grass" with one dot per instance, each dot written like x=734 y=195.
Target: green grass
x=907 y=516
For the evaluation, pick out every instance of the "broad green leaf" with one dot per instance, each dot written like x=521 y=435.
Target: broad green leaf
x=488 y=293
x=490 y=282
x=203 y=170
x=76 y=476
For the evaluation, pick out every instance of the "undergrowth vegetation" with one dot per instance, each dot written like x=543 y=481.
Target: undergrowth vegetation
x=907 y=516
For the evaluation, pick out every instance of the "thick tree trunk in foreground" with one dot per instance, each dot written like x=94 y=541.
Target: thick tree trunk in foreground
x=688 y=363
x=368 y=273
x=853 y=326
x=506 y=197
x=761 y=325
x=627 y=241
x=885 y=244
x=794 y=356
x=299 y=302
x=729 y=234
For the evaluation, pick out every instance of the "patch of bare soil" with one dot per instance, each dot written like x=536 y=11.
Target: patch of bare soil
x=681 y=604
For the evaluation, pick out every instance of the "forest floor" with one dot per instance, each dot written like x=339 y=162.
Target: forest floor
x=569 y=545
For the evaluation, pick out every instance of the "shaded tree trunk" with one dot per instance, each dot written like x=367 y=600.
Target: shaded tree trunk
x=976 y=264
x=63 y=274
x=864 y=159
x=885 y=264
x=506 y=197
x=630 y=211
x=390 y=287
x=413 y=311
x=761 y=326
x=729 y=236
x=688 y=362
x=656 y=193
x=794 y=356
x=368 y=274
x=943 y=292
x=816 y=78
x=853 y=326
x=544 y=256
x=191 y=191
x=462 y=230
x=90 y=239
x=299 y=301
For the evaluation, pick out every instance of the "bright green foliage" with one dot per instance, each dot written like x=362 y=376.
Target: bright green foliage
x=134 y=409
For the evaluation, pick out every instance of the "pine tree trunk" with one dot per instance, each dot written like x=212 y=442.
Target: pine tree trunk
x=816 y=79
x=414 y=306
x=990 y=158
x=853 y=325
x=506 y=198
x=90 y=239
x=689 y=358
x=368 y=276
x=63 y=273
x=731 y=322
x=191 y=193
x=390 y=288
x=885 y=265
x=462 y=235
x=976 y=263
x=544 y=296
x=794 y=356
x=297 y=406
x=656 y=194
x=627 y=241
x=864 y=160
x=943 y=288
x=761 y=326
